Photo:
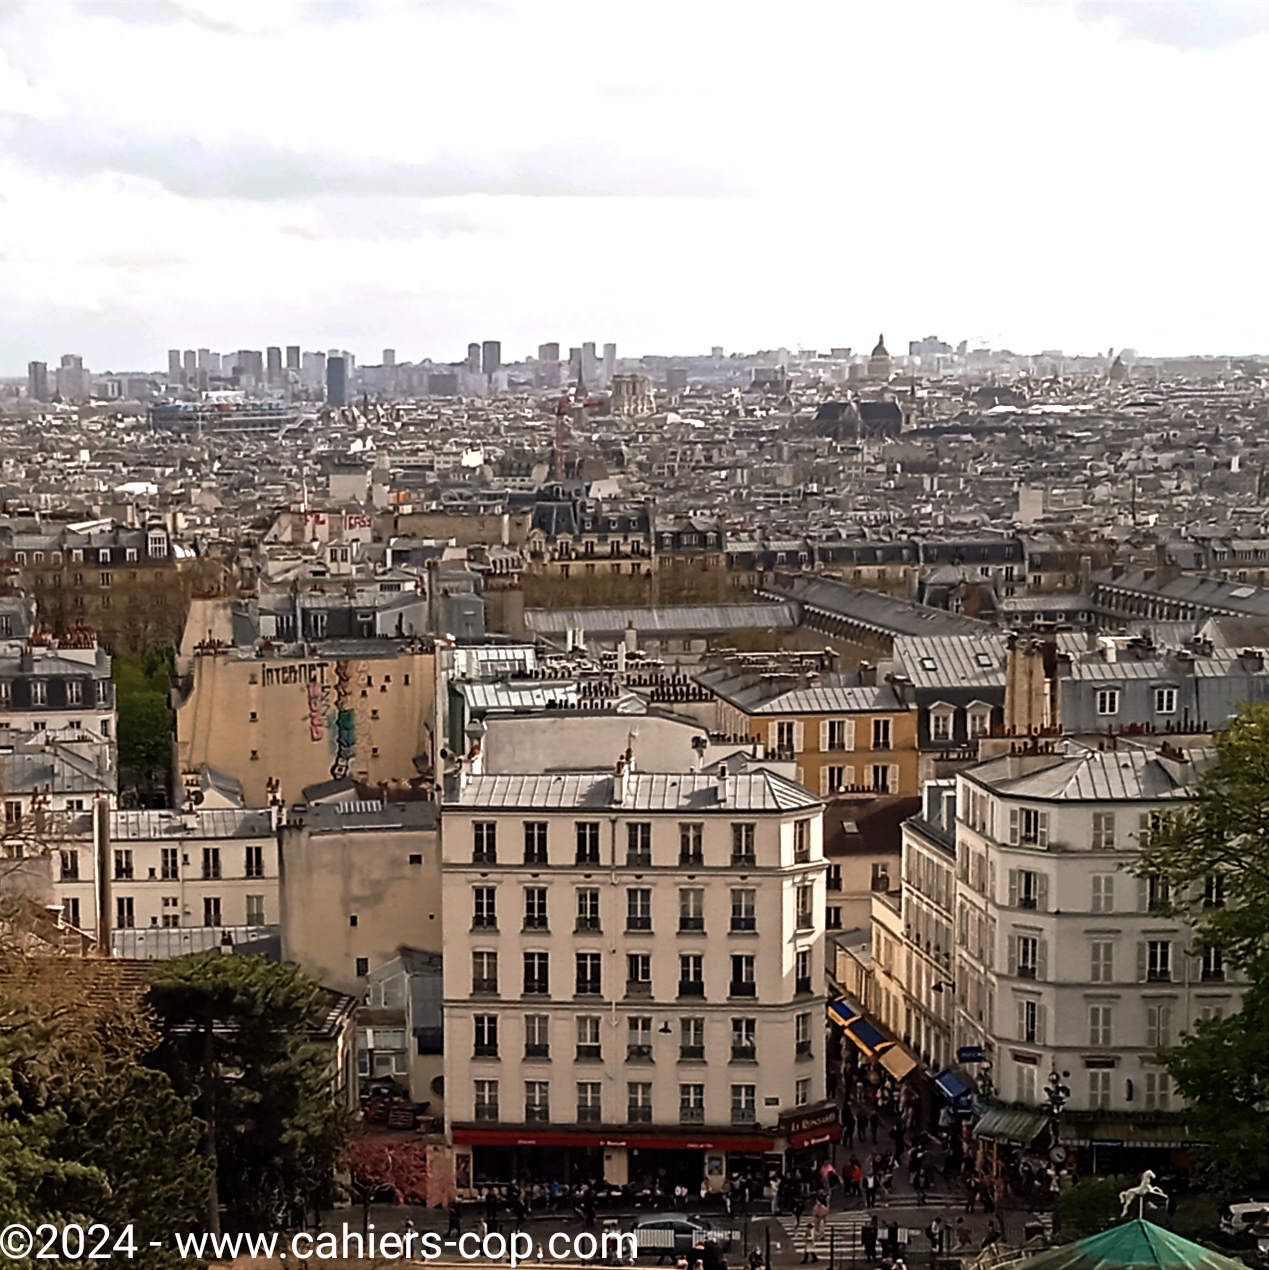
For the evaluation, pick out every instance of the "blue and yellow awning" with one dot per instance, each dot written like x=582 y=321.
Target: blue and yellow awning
x=869 y=1039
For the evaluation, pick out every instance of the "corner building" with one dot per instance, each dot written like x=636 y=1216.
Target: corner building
x=633 y=973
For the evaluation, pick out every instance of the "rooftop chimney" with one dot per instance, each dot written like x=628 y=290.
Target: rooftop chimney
x=619 y=783
x=722 y=783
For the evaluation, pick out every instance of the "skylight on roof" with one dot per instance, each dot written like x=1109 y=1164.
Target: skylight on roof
x=1242 y=593
x=928 y=663
x=984 y=660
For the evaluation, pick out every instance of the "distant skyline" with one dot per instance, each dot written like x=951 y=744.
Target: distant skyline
x=1073 y=174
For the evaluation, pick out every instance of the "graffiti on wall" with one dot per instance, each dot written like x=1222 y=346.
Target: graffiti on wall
x=318 y=704
x=343 y=721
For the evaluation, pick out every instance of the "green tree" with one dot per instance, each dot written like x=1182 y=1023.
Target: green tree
x=87 y=1133
x=1213 y=854
x=146 y=724
x=235 y=1039
x=1087 y=1208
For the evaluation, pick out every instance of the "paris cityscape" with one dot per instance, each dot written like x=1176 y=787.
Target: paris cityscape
x=476 y=791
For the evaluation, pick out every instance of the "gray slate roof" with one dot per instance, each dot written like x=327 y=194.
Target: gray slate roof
x=953 y=661
x=1131 y=775
x=882 y=613
x=663 y=619
x=695 y=792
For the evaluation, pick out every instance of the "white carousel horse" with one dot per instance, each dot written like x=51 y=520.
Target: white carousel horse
x=1145 y=1189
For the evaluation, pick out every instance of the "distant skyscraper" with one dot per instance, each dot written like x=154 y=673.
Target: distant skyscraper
x=190 y=362
x=389 y=356
x=204 y=359
x=590 y=363
x=548 y=352
x=490 y=356
x=716 y=352
x=336 y=382
x=37 y=381
x=292 y=357
x=250 y=365
x=473 y=358
x=313 y=372
x=174 y=365
x=273 y=365
x=73 y=383
x=610 y=362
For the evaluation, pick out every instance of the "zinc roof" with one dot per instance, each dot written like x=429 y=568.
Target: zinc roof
x=696 y=792
x=663 y=619
x=952 y=661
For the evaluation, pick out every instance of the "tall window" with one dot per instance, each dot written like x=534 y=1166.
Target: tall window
x=211 y=863
x=255 y=910
x=639 y=1102
x=1102 y=969
x=1031 y=1022
x=587 y=909
x=484 y=908
x=1158 y=1026
x=1107 y=701
x=744 y=909
x=1158 y=1091
x=535 y=842
x=253 y=865
x=691 y=1039
x=742 y=976
x=691 y=975
x=638 y=1038
x=1214 y=891
x=486 y=1099
x=691 y=909
x=1099 y=1019
x=588 y=1101
x=881 y=734
x=1158 y=961
x=805 y=907
x=211 y=911
x=744 y=1044
x=639 y=974
x=486 y=1036
x=588 y=1033
x=70 y=865
x=1165 y=701
x=691 y=1104
x=639 y=843
x=1103 y=893
x=638 y=908
x=537 y=1101
x=123 y=864
x=125 y=912
x=691 y=851
x=1213 y=965
x=588 y=974
x=537 y=977
x=742 y=846
x=838 y=734
x=744 y=1104
x=537 y=1036
x=587 y=842
x=802 y=1035
x=802 y=970
x=1098 y=1090
x=535 y=908
x=484 y=847
x=802 y=1091
x=801 y=841
x=484 y=972
x=1103 y=830
x=1028 y=956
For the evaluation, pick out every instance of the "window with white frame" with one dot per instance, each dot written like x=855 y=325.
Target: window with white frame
x=1158 y=1091
x=802 y=1091
x=1099 y=1025
x=486 y=1099
x=588 y=1101
x=1099 y=1089
x=1165 y=701
x=1103 y=900
x=1026 y=1083
x=979 y=723
x=941 y=725
x=881 y=734
x=1103 y=830
x=1102 y=961
x=839 y=734
x=1158 y=1026
x=1107 y=701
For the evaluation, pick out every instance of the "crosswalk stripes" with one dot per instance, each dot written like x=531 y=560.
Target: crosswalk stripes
x=839 y=1234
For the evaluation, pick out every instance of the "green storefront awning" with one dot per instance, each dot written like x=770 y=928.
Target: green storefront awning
x=1011 y=1124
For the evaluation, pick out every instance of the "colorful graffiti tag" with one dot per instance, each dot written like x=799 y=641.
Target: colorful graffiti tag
x=317 y=700
x=343 y=722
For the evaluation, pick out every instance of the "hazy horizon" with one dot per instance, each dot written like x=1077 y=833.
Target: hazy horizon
x=421 y=173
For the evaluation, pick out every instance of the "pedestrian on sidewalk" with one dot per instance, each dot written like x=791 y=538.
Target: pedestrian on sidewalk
x=848 y=1128
x=455 y=1226
x=892 y=1240
x=964 y=1236
x=874 y=1123
x=991 y=1238
x=870 y=1190
x=920 y=1184
x=819 y=1214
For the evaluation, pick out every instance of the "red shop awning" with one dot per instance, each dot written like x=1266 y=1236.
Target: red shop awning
x=813 y=1137
x=597 y=1138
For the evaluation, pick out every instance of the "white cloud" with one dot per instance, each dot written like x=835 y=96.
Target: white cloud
x=667 y=175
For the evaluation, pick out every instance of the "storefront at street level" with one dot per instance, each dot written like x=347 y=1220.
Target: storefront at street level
x=811 y=1134
x=485 y=1154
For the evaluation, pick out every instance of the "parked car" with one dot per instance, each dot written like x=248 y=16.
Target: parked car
x=1240 y=1219
x=684 y=1231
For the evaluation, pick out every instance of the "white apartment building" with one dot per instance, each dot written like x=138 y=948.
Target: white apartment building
x=1065 y=960
x=174 y=882
x=633 y=976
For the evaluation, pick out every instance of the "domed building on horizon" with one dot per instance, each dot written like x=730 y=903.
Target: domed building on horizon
x=879 y=361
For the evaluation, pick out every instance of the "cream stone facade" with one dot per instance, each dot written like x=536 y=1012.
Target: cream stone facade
x=633 y=971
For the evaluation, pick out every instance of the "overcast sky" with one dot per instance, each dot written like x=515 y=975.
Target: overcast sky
x=668 y=174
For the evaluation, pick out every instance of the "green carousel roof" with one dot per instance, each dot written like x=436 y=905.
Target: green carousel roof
x=1134 y=1243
